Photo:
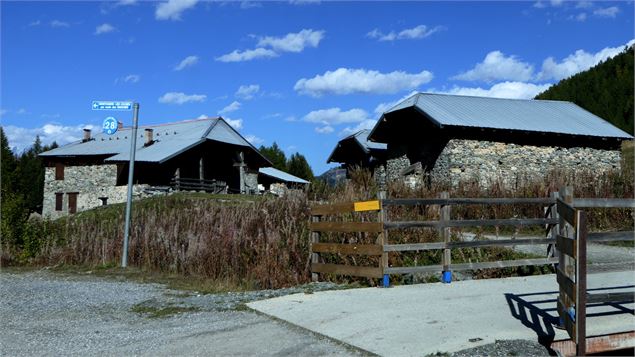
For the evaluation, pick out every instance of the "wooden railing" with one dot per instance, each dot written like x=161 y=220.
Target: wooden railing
x=382 y=226
x=571 y=275
x=188 y=184
x=317 y=227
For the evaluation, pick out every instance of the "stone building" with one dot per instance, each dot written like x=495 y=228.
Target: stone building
x=449 y=138
x=205 y=154
x=357 y=151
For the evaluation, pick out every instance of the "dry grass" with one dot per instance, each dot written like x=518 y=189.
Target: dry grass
x=260 y=242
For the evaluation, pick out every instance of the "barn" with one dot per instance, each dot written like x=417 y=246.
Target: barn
x=357 y=151
x=451 y=138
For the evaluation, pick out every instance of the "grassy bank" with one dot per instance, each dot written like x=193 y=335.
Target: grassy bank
x=220 y=242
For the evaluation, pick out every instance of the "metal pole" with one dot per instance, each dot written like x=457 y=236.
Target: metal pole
x=133 y=145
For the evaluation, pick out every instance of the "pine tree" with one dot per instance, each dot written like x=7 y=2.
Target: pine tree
x=298 y=166
x=275 y=155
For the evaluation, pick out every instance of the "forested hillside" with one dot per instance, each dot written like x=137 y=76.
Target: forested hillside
x=605 y=90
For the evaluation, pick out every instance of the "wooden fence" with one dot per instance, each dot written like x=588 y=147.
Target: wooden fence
x=191 y=184
x=571 y=274
x=383 y=225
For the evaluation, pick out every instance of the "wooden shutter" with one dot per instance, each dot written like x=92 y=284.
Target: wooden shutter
x=72 y=202
x=59 y=201
x=59 y=171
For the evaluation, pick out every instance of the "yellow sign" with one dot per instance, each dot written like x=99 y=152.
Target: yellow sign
x=366 y=206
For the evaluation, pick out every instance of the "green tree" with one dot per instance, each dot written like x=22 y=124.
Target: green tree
x=298 y=166
x=7 y=165
x=275 y=155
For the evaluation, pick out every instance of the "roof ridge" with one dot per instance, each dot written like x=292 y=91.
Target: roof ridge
x=173 y=123
x=497 y=98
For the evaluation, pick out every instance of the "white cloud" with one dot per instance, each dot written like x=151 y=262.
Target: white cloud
x=607 y=12
x=577 y=62
x=104 y=28
x=126 y=2
x=249 y=4
x=22 y=111
x=421 y=31
x=366 y=124
x=22 y=138
x=293 y=42
x=58 y=23
x=35 y=23
x=186 y=62
x=235 y=123
x=304 y=2
x=3 y=112
x=270 y=46
x=172 y=9
x=334 y=116
x=556 y=3
x=584 y=5
x=539 y=5
x=247 y=55
x=51 y=116
x=327 y=129
x=512 y=90
x=581 y=17
x=496 y=66
x=181 y=98
x=348 y=81
x=132 y=78
x=254 y=140
x=383 y=107
x=203 y=116
x=234 y=106
x=247 y=92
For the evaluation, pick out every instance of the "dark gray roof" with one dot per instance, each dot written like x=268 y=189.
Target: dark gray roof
x=170 y=140
x=361 y=138
x=281 y=175
x=514 y=114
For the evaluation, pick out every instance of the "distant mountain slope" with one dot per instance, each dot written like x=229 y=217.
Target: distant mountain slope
x=605 y=90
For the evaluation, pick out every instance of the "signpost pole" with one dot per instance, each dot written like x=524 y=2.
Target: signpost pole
x=133 y=145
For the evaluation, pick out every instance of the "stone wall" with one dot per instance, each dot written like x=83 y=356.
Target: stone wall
x=395 y=166
x=90 y=182
x=487 y=162
x=251 y=182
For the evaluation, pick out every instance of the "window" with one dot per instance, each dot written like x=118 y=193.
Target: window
x=59 y=171
x=104 y=201
x=72 y=202
x=59 y=201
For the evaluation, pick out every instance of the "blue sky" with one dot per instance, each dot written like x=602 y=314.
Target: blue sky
x=301 y=73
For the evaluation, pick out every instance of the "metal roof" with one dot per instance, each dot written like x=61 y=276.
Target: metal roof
x=514 y=114
x=169 y=140
x=361 y=138
x=281 y=175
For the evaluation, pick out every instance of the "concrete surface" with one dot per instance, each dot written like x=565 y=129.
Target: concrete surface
x=428 y=318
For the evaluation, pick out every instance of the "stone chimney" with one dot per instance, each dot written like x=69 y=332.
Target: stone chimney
x=86 y=135
x=149 y=138
x=119 y=125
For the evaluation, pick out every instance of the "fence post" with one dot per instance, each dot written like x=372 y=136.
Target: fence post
x=552 y=249
x=383 y=240
x=445 y=234
x=580 y=282
x=315 y=257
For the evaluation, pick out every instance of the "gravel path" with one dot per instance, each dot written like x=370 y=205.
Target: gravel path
x=601 y=258
x=43 y=313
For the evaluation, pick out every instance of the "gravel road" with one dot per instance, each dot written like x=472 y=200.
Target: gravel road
x=43 y=313
x=601 y=258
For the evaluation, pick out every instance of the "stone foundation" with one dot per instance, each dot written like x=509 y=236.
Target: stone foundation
x=90 y=182
x=487 y=162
